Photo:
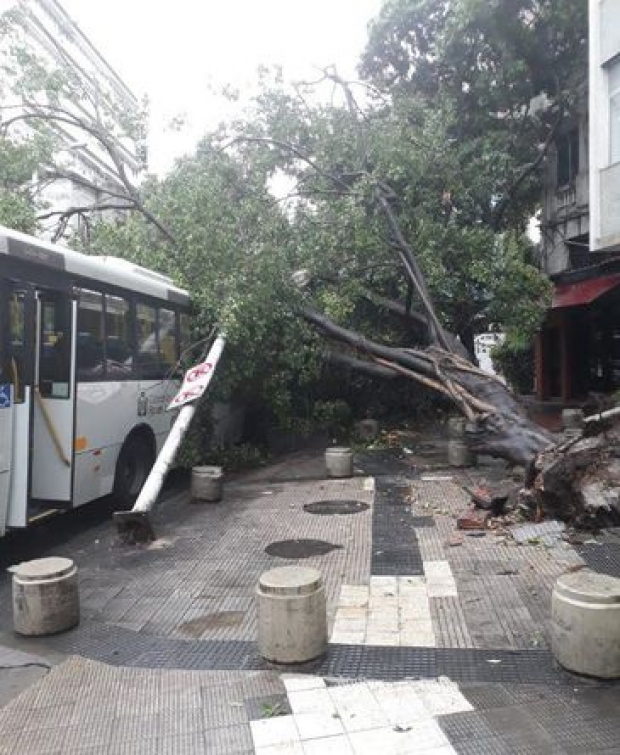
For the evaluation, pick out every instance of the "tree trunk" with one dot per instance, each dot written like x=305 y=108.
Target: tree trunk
x=498 y=425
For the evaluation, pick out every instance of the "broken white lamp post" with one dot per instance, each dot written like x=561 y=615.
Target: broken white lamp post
x=135 y=525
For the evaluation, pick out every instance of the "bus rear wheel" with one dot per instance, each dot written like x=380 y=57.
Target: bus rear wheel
x=132 y=468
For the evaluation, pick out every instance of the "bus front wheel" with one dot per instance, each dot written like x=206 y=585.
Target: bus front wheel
x=132 y=468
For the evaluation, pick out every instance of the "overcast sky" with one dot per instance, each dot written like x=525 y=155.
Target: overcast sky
x=175 y=50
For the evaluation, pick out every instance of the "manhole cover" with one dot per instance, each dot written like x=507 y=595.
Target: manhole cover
x=300 y=548
x=335 y=508
x=197 y=626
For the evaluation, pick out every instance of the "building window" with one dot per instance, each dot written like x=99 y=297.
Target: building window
x=613 y=77
x=568 y=157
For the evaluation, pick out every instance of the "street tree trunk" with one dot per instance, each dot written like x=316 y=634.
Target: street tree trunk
x=498 y=424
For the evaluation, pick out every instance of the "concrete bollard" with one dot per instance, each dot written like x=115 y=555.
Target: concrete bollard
x=585 y=623
x=292 y=615
x=339 y=462
x=459 y=454
x=572 y=419
x=45 y=596
x=206 y=485
x=456 y=427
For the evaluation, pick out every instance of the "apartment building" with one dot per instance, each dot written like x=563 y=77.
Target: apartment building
x=578 y=348
x=49 y=33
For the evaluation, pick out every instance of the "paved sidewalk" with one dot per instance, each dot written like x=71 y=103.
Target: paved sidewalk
x=434 y=649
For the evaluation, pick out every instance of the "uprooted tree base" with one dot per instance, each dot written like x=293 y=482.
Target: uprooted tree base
x=578 y=480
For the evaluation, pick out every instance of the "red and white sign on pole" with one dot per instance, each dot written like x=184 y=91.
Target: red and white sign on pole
x=197 y=378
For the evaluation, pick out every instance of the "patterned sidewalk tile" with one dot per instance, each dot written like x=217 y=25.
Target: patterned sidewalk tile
x=363 y=718
x=393 y=611
x=476 y=612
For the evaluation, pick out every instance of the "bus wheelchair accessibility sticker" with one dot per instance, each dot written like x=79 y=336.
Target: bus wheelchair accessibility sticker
x=5 y=396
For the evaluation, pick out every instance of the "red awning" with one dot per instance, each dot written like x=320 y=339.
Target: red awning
x=585 y=292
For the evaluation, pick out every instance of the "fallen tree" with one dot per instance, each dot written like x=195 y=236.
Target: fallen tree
x=576 y=480
x=498 y=424
x=331 y=171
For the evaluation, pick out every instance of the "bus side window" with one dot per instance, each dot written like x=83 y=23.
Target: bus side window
x=119 y=342
x=186 y=337
x=15 y=358
x=89 y=345
x=168 y=339
x=148 y=348
x=55 y=348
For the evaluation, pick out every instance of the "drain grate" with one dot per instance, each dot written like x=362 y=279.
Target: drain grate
x=335 y=508
x=196 y=627
x=123 y=647
x=300 y=548
x=602 y=557
x=395 y=548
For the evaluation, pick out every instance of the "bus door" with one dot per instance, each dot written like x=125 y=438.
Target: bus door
x=6 y=447
x=53 y=400
x=6 y=412
x=16 y=339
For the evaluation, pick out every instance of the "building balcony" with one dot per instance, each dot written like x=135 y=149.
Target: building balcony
x=566 y=199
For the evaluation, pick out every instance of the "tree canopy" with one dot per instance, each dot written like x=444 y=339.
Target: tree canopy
x=405 y=197
x=505 y=74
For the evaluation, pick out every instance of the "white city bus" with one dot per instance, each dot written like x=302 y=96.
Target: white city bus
x=87 y=347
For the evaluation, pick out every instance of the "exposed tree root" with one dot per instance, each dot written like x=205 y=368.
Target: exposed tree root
x=579 y=480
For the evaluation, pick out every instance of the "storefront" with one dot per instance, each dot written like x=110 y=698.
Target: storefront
x=578 y=348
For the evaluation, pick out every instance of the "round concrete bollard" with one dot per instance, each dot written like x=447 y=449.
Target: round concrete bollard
x=45 y=596
x=585 y=623
x=459 y=454
x=456 y=427
x=572 y=419
x=339 y=462
x=292 y=615
x=206 y=484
